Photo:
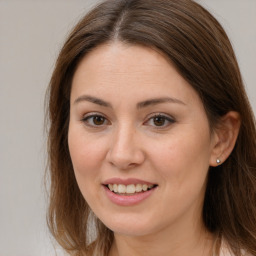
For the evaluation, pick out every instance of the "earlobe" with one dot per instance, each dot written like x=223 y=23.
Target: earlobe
x=225 y=136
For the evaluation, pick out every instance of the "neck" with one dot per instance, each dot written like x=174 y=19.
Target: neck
x=187 y=241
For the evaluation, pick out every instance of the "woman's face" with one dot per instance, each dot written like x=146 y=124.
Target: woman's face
x=138 y=128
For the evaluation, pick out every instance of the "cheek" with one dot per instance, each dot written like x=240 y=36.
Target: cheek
x=183 y=166
x=85 y=153
x=183 y=151
x=86 y=156
x=183 y=160
x=86 y=159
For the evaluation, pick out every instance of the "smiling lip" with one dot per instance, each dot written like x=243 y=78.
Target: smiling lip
x=126 y=181
x=127 y=200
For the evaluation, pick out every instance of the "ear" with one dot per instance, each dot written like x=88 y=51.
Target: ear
x=224 y=137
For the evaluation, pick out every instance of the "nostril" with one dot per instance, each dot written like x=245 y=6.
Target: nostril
x=125 y=153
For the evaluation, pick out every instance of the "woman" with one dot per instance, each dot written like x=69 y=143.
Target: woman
x=152 y=139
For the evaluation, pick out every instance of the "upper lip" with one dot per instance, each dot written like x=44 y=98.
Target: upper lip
x=126 y=181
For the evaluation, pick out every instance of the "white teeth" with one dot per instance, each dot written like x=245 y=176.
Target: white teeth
x=138 y=187
x=121 y=188
x=115 y=188
x=129 y=189
x=110 y=186
x=144 y=187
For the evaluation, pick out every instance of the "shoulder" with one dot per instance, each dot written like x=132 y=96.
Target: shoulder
x=225 y=250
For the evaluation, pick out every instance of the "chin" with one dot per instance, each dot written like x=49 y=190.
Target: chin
x=128 y=231
x=130 y=226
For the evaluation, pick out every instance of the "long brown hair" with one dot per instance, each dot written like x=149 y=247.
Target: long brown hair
x=199 y=48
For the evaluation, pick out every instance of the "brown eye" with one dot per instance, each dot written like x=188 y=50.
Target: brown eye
x=98 y=120
x=159 y=120
x=94 y=120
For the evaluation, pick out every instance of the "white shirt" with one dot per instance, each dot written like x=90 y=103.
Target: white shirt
x=226 y=251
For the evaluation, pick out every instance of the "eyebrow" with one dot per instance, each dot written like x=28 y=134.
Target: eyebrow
x=156 y=101
x=139 y=105
x=93 y=100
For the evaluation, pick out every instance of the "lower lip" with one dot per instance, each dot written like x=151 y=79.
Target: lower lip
x=130 y=199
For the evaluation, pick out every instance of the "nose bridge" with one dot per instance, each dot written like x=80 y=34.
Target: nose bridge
x=125 y=150
x=123 y=136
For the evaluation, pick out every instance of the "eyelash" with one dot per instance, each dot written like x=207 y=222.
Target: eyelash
x=166 y=118
x=92 y=118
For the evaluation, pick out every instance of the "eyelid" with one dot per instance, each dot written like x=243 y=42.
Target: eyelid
x=156 y=114
x=89 y=115
x=167 y=117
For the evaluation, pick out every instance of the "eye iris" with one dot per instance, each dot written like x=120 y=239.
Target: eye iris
x=159 y=120
x=98 y=120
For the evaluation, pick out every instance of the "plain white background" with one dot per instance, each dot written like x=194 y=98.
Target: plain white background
x=31 y=34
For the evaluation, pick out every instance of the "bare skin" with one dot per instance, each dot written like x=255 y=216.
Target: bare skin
x=134 y=117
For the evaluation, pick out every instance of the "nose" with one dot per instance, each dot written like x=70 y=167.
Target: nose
x=125 y=150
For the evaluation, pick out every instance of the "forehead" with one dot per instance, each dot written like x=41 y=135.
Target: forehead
x=122 y=69
x=123 y=57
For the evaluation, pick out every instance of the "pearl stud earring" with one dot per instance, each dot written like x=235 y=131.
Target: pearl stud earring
x=218 y=161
